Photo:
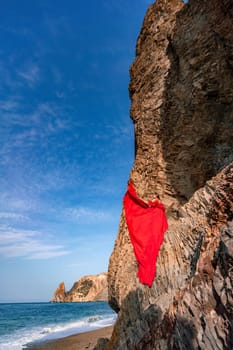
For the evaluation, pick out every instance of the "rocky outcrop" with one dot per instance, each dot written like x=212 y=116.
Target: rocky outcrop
x=87 y=288
x=60 y=294
x=181 y=93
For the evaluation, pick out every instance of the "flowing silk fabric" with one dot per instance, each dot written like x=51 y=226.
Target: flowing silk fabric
x=146 y=223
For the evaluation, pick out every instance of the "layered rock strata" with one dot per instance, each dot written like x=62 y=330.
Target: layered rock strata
x=87 y=288
x=181 y=93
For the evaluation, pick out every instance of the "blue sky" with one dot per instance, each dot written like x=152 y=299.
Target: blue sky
x=66 y=139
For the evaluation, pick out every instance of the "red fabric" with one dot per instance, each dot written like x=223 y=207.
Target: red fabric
x=146 y=223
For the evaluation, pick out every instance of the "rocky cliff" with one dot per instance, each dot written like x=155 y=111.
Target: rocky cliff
x=181 y=93
x=87 y=288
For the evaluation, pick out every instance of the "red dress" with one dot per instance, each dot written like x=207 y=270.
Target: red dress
x=146 y=223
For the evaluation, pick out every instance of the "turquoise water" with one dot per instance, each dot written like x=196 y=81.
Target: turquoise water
x=28 y=323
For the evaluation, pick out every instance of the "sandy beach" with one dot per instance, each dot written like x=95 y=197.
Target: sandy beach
x=80 y=341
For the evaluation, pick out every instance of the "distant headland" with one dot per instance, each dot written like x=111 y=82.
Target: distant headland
x=87 y=288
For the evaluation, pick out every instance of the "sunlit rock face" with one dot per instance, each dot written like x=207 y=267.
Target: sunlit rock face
x=87 y=288
x=181 y=93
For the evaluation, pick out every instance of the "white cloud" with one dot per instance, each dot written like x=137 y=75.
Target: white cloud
x=18 y=203
x=84 y=214
x=31 y=74
x=60 y=94
x=13 y=216
x=47 y=255
x=28 y=244
x=9 y=105
x=9 y=235
x=43 y=120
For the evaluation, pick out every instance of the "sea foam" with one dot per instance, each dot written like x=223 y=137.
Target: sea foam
x=29 y=337
x=25 y=337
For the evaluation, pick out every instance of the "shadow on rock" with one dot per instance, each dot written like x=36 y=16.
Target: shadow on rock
x=138 y=329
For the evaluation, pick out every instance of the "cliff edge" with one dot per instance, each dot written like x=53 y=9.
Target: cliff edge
x=181 y=93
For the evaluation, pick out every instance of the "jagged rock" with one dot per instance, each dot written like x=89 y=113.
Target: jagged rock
x=181 y=92
x=101 y=343
x=87 y=288
x=60 y=293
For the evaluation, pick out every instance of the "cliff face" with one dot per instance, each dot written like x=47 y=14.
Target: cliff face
x=181 y=92
x=87 y=288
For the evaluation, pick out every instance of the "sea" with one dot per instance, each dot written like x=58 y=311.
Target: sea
x=25 y=324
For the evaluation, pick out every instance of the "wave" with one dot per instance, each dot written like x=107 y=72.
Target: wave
x=36 y=335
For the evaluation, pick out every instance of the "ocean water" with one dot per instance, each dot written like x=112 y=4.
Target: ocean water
x=24 y=324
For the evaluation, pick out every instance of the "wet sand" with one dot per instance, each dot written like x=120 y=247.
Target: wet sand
x=82 y=341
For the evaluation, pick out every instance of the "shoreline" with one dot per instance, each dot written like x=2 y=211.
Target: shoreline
x=80 y=341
